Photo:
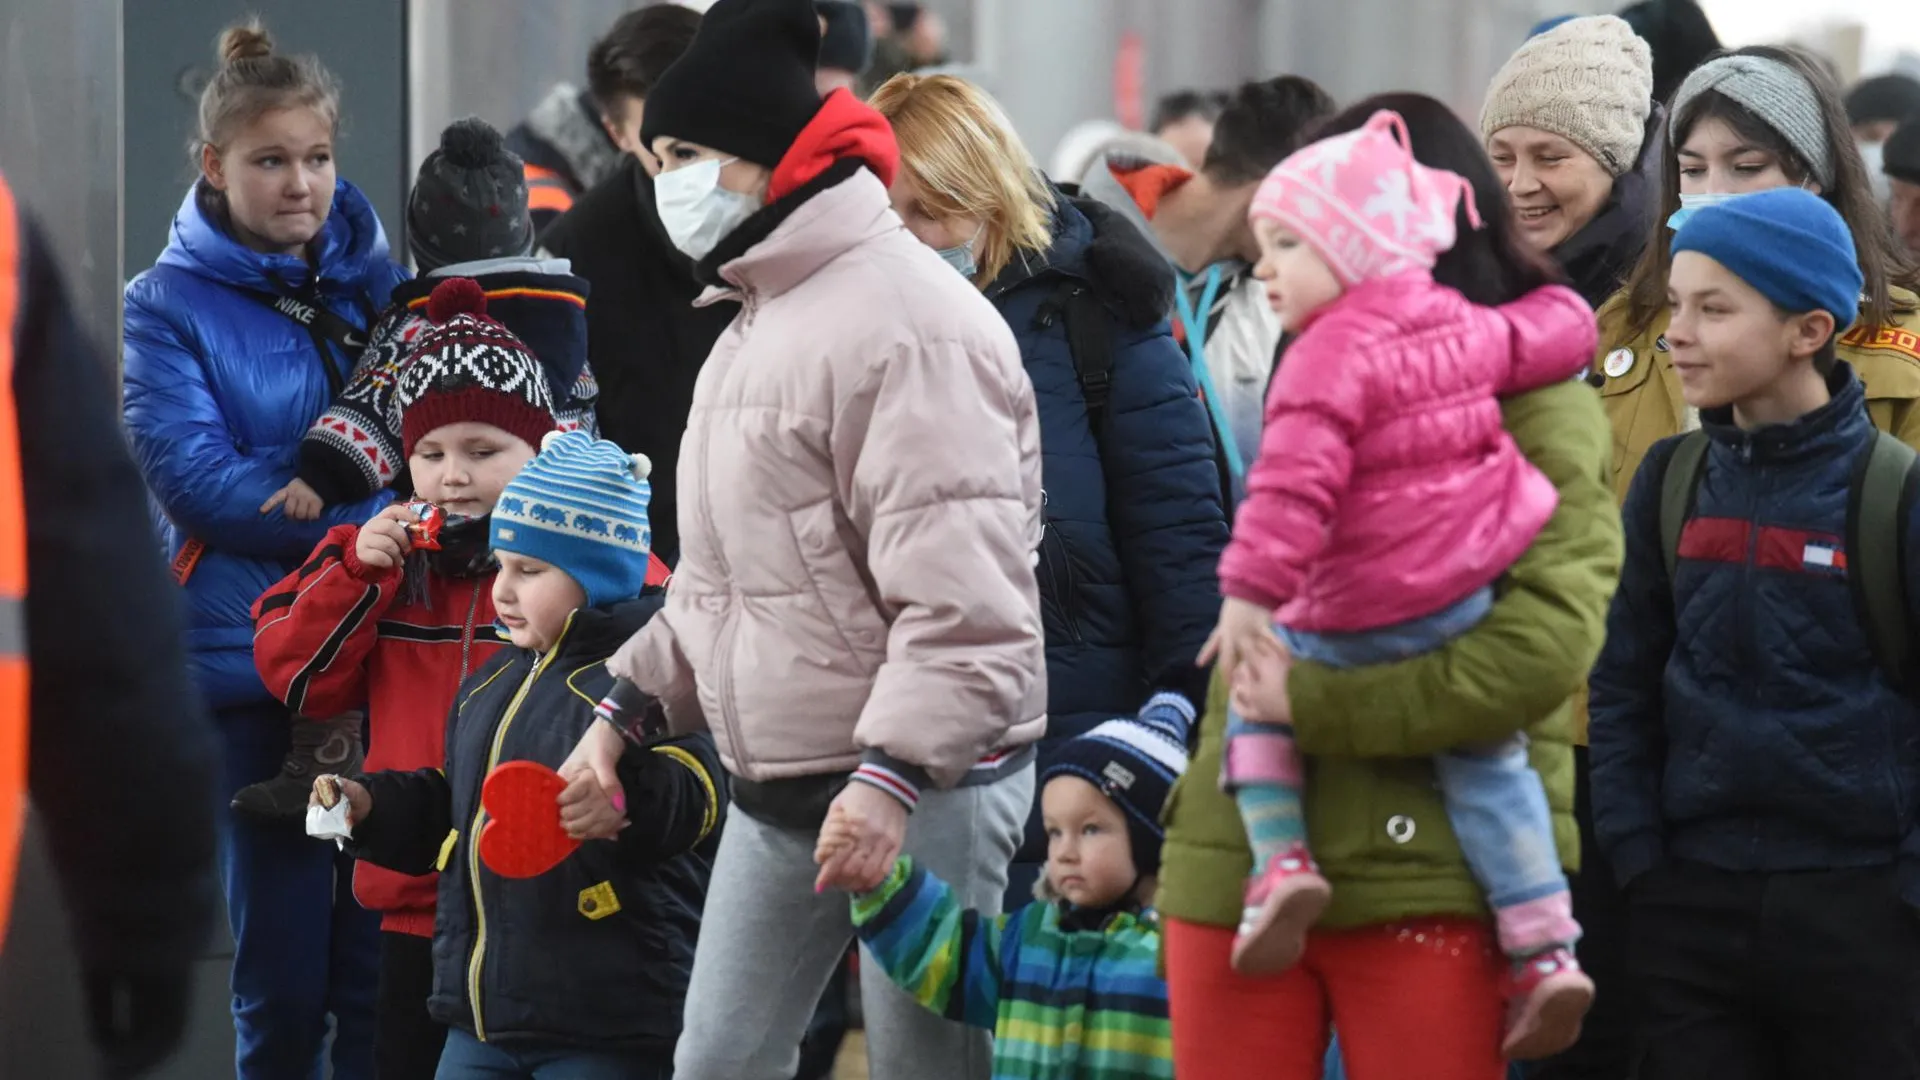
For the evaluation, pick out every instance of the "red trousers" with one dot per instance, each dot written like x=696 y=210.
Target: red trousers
x=1412 y=1001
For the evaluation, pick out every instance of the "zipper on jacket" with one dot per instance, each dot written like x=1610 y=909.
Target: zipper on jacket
x=476 y=962
x=723 y=641
x=1053 y=547
x=466 y=636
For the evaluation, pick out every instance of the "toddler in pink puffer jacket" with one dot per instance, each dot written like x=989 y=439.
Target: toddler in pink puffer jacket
x=1386 y=500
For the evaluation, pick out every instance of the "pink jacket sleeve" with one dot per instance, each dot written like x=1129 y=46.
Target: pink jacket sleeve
x=653 y=661
x=1553 y=337
x=1315 y=409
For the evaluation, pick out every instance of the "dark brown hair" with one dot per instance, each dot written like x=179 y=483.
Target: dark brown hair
x=1882 y=262
x=1262 y=123
x=1489 y=265
x=637 y=50
x=253 y=81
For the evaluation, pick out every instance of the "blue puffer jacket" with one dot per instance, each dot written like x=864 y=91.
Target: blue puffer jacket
x=219 y=391
x=1739 y=719
x=1135 y=525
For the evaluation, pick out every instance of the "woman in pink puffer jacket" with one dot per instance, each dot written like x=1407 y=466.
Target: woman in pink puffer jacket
x=1386 y=501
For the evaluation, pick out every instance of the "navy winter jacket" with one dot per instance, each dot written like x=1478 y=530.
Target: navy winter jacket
x=1739 y=719
x=1134 y=521
x=220 y=389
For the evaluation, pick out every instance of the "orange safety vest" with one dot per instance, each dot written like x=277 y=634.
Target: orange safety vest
x=13 y=566
x=547 y=190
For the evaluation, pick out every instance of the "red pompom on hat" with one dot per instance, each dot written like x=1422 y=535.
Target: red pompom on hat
x=469 y=369
x=456 y=296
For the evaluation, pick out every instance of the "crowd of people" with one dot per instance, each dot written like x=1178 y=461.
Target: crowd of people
x=1315 y=589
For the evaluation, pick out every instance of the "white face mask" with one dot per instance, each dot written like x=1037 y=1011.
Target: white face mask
x=696 y=210
x=1693 y=204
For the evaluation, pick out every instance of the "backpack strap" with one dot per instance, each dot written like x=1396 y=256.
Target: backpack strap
x=1879 y=503
x=1678 y=484
x=1088 y=341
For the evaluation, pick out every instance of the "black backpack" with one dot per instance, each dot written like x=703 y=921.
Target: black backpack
x=1880 y=497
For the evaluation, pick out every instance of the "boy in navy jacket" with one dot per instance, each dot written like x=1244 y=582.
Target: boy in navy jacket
x=583 y=968
x=1754 y=769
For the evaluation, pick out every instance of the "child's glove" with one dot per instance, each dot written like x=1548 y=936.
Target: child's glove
x=298 y=501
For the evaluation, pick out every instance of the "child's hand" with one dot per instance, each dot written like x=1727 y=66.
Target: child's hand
x=384 y=541
x=1260 y=687
x=297 y=500
x=1245 y=628
x=328 y=790
x=588 y=812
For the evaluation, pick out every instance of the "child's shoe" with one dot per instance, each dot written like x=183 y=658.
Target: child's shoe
x=319 y=746
x=1283 y=902
x=1547 y=998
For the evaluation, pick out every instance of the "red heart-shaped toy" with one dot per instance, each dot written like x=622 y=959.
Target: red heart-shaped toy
x=523 y=836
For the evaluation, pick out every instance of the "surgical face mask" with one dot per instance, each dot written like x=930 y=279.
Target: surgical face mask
x=961 y=257
x=1693 y=204
x=696 y=210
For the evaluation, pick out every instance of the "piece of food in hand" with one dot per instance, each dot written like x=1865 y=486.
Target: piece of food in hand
x=328 y=789
x=425 y=533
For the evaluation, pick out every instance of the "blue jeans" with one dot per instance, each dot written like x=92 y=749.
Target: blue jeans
x=467 y=1058
x=303 y=948
x=1495 y=801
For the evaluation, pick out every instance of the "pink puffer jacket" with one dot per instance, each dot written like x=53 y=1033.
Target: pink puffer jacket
x=860 y=503
x=1386 y=488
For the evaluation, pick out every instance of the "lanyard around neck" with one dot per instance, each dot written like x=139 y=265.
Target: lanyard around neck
x=1195 y=323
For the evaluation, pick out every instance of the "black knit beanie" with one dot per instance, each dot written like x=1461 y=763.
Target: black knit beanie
x=1883 y=97
x=470 y=200
x=1901 y=157
x=745 y=85
x=847 y=44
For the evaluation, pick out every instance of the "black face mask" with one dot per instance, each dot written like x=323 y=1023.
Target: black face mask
x=465 y=553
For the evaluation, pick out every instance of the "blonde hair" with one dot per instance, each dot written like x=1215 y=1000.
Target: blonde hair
x=961 y=150
x=253 y=80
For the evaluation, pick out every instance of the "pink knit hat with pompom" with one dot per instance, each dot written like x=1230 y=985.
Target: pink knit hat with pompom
x=1363 y=204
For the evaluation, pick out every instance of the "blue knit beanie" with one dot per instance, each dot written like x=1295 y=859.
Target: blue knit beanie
x=1788 y=244
x=581 y=505
x=1133 y=761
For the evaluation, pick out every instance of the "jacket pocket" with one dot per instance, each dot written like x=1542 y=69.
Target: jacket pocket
x=1058 y=582
x=838 y=587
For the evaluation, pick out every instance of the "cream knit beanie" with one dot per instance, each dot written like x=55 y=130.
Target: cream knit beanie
x=1588 y=80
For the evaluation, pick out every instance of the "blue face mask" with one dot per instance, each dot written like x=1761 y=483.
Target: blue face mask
x=1693 y=204
x=961 y=257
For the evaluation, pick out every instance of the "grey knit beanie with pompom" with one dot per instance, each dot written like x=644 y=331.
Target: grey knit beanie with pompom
x=470 y=200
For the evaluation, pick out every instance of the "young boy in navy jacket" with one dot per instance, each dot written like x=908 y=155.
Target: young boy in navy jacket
x=581 y=969
x=1755 y=770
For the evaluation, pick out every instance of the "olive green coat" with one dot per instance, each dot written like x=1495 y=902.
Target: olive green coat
x=1374 y=815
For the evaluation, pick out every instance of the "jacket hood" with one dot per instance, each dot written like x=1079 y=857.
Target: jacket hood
x=525 y=264
x=350 y=247
x=844 y=128
x=1102 y=184
x=1841 y=422
x=565 y=122
x=1598 y=258
x=1098 y=244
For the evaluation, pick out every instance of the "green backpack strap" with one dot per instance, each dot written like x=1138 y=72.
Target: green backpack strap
x=1879 y=504
x=1677 y=485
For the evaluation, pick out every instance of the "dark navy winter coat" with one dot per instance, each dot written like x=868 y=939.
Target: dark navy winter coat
x=219 y=391
x=1739 y=719
x=1134 y=522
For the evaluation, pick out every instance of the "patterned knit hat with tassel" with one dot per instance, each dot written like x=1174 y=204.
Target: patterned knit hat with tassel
x=466 y=368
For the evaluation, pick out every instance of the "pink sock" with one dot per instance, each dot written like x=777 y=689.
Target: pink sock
x=1537 y=925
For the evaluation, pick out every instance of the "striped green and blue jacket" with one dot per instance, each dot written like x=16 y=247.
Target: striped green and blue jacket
x=1062 y=1003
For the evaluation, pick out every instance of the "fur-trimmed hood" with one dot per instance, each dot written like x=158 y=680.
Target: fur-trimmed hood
x=1093 y=242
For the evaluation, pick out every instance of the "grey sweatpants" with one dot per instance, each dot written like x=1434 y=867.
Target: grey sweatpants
x=768 y=944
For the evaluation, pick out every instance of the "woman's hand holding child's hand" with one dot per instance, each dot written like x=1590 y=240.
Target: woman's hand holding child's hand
x=860 y=840
x=1260 y=687
x=328 y=790
x=1244 y=631
x=384 y=541
x=594 y=805
x=298 y=501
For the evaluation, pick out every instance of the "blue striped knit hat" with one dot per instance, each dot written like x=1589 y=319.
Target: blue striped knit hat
x=581 y=505
x=1133 y=761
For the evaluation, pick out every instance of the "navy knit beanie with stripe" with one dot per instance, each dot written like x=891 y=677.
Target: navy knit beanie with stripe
x=1133 y=761
x=581 y=505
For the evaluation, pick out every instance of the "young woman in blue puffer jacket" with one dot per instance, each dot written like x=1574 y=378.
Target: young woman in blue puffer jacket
x=1135 y=521
x=220 y=386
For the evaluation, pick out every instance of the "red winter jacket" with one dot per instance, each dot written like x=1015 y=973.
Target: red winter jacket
x=335 y=636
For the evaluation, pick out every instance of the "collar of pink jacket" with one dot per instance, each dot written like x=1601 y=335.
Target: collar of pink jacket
x=817 y=232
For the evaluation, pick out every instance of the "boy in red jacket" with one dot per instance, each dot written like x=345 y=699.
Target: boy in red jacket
x=379 y=620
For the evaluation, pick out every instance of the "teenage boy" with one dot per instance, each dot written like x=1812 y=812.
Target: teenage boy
x=1755 y=768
